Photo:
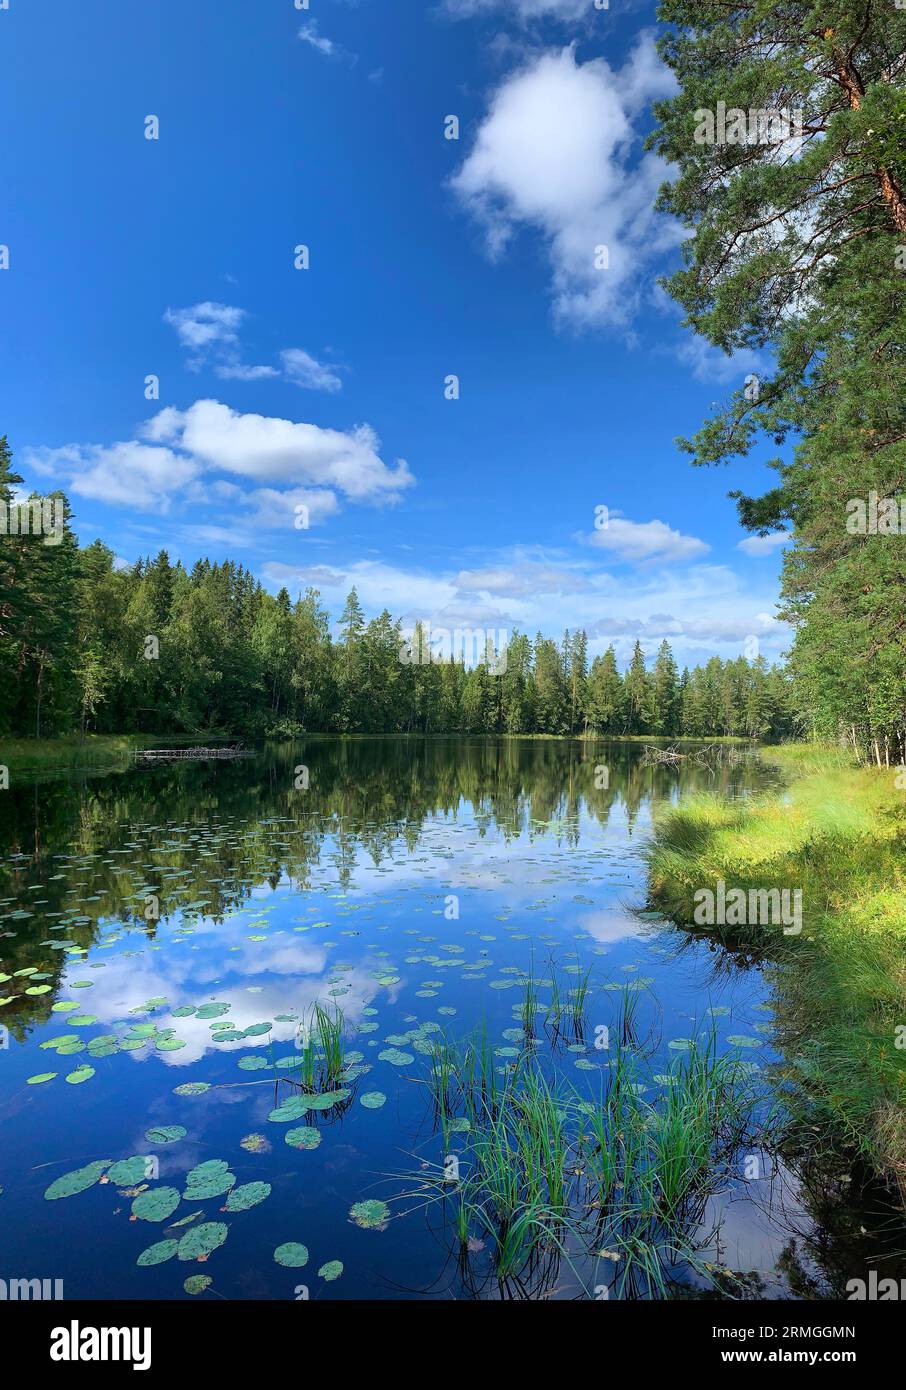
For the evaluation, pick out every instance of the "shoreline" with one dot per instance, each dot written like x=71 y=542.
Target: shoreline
x=835 y=832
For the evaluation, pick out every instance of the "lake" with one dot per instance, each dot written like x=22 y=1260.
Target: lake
x=173 y=1109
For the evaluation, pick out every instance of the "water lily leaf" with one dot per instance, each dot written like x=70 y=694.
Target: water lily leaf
x=41 y=1077
x=156 y=1205
x=291 y=1255
x=395 y=1057
x=202 y=1240
x=292 y=1109
x=373 y=1100
x=82 y=1073
x=255 y=1144
x=164 y=1134
x=248 y=1195
x=197 y=1283
x=371 y=1215
x=126 y=1172
x=332 y=1270
x=158 y=1254
x=303 y=1137
x=78 y=1180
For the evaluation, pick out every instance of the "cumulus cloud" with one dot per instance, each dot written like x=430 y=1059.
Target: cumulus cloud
x=701 y=610
x=558 y=152
x=645 y=542
x=180 y=452
x=128 y=474
x=269 y=449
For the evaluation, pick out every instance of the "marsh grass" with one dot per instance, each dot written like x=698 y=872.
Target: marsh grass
x=321 y=1051
x=838 y=832
x=545 y=1175
x=565 y=1013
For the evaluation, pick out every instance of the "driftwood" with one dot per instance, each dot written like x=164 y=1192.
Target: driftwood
x=711 y=752
x=195 y=754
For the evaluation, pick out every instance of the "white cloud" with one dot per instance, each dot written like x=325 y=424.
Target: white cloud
x=180 y=450
x=273 y=508
x=405 y=592
x=206 y=326
x=529 y=578
x=763 y=545
x=210 y=333
x=128 y=474
x=269 y=449
x=523 y=9
x=555 y=152
x=322 y=44
x=712 y=364
x=241 y=371
x=702 y=610
x=309 y=34
x=645 y=542
x=304 y=370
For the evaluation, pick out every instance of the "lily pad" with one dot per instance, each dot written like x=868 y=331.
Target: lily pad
x=197 y=1283
x=156 y=1205
x=248 y=1195
x=303 y=1137
x=158 y=1254
x=82 y=1073
x=201 y=1241
x=291 y=1255
x=371 y=1215
x=77 y=1181
x=164 y=1134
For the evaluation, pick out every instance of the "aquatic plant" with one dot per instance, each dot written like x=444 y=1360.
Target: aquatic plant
x=545 y=1174
x=321 y=1051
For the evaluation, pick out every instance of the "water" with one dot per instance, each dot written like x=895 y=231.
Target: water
x=412 y=884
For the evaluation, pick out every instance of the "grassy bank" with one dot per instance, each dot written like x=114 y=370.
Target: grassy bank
x=838 y=833
x=95 y=751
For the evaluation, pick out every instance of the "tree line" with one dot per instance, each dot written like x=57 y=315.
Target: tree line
x=158 y=648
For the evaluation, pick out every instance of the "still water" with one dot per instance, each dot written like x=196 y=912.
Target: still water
x=166 y=931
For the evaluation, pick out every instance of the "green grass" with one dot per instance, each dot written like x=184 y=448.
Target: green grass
x=321 y=1051
x=837 y=832
x=29 y=755
x=544 y=1175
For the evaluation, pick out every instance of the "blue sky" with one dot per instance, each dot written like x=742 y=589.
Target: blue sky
x=324 y=387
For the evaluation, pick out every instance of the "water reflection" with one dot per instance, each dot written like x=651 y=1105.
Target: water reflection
x=412 y=884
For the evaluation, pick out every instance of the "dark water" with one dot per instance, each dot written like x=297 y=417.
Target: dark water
x=413 y=885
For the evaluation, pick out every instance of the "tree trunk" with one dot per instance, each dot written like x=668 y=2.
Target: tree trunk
x=891 y=191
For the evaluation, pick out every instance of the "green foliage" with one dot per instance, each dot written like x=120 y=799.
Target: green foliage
x=837 y=833
x=802 y=251
x=91 y=647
